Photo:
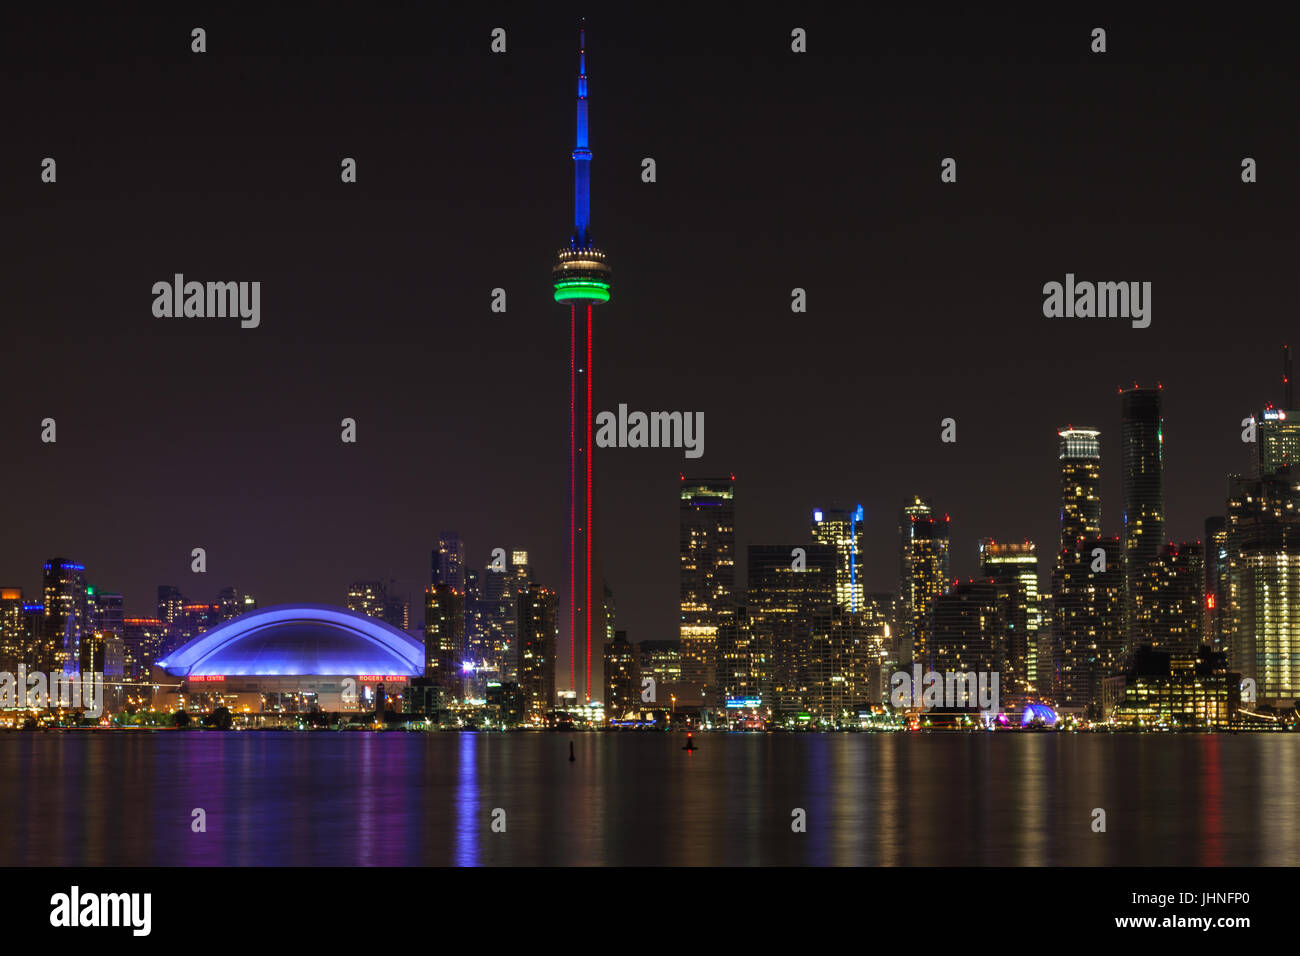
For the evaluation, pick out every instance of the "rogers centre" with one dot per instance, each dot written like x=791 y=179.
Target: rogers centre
x=287 y=659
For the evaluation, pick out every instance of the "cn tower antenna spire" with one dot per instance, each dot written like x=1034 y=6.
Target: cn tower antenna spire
x=581 y=238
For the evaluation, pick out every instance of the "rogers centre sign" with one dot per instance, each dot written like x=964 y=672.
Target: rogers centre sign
x=385 y=678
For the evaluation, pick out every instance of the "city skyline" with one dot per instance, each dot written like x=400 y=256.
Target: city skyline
x=175 y=435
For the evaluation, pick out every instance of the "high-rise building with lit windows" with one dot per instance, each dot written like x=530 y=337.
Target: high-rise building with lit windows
x=1178 y=615
x=622 y=676
x=1215 y=629
x=444 y=639
x=1088 y=626
x=537 y=637
x=791 y=587
x=842 y=528
x=1144 y=505
x=1263 y=543
x=448 y=564
x=1277 y=437
x=707 y=537
x=65 y=614
x=1080 y=464
x=13 y=630
x=923 y=576
x=368 y=598
x=1013 y=567
x=969 y=629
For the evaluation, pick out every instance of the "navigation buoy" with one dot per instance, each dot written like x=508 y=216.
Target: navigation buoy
x=690 y=742
x=571 y=756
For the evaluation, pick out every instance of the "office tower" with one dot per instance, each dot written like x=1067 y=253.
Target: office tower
x=476 y=642
x=104 y=610
x=229 y=604
x=13 y=630
x=36 y=653
x=843 y=676
x=1179 y=592
x=1014 y=569
x=368 y=597
x=581 y=279
x=1215 y=630
x=101 y=646
x=843 y=529
x=969 y=629
x=1144 y=505
x=64 y=586
x=538 y=632
x=744 y=664
x=444 y=639
x=397 y=609
x=611 y=618
x=923 y=575
x=449 y=561
x=790 y=588
x=143 y=639
x=1080 y=463
x=622 y=677
x=877 y=621
x=501 y=586
x=1193 y=691
x=1277 y=438
x=1264 y=583
x=1088 y=629
x=171 y=604
x=707 y=537
x=661 y=661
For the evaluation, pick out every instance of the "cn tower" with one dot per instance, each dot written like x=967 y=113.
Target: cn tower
x=581 y=279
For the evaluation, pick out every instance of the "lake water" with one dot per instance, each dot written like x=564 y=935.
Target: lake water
x=638 y=798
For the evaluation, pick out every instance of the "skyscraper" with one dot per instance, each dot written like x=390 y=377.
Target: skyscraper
x=707 y=536
x=923 y=576
x=1277 y=441
x=1144 y=505
x=13 y=630
x=1080 y=457
x=537 y=625
x=1263 y=543
x=842 y=528
x=171 y=604
x=1014 y=570
x=1088 y=626
x=448 y=564
x=1178 y=615
x=444 y=639
x=497 y=611
x=65 y=614
x=622 y=676
x=969 y=629
x=1215 y=631
x=368 y=597
x=791 y=588
x=581 y=279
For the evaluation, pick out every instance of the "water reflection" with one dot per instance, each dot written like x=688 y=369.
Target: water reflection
x=891 y=799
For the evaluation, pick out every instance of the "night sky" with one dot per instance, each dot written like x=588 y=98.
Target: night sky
x=775 y=170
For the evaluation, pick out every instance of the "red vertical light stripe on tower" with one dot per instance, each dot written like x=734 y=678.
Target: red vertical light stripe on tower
x=573 y=497
x=591 y=334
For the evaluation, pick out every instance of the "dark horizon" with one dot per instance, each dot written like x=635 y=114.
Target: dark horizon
x=775 y=171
